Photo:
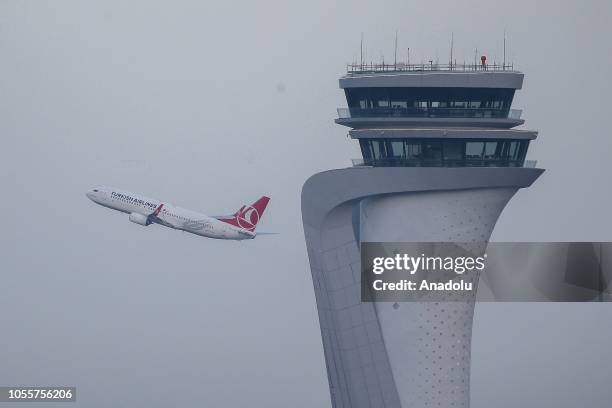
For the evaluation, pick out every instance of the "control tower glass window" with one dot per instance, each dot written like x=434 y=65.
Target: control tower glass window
x=429 y=102
x=448 y=153
x=432 y=151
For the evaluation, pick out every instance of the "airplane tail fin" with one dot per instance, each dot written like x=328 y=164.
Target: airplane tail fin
x=248 y=216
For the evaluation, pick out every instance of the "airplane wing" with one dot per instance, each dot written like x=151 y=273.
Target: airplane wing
x=153 y=217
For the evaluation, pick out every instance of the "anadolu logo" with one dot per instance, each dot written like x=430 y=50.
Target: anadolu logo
x=248 y=218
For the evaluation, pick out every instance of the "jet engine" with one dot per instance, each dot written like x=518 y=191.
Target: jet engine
x=139 y=219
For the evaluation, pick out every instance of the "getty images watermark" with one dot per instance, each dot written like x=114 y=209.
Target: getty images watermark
x=445 y=271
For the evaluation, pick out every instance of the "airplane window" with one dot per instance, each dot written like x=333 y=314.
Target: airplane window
x=95 y=191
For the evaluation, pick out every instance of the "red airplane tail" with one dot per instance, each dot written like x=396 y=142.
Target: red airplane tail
x=248 y=216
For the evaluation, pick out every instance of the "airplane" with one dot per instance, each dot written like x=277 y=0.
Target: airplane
x=146 y=211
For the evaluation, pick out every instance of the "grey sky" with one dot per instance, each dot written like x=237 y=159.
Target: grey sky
x=211 y=104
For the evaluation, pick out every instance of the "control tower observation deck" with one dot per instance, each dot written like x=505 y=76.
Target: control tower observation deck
x=441 y=159
x=430 y=115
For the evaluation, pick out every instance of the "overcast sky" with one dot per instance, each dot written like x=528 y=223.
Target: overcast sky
x=209 y=105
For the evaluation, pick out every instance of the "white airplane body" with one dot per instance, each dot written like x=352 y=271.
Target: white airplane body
x=146 y=211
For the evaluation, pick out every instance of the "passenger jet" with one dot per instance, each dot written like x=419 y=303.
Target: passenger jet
x=146 y=211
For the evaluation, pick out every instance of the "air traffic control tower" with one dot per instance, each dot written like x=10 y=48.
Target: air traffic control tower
x=441 y=159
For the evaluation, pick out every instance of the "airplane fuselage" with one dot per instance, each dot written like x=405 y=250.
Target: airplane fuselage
x=140 y=209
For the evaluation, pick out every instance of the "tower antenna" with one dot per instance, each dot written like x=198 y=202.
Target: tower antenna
x=361 y=52
x=395 y=56
x=504 y=67
x=451 y=49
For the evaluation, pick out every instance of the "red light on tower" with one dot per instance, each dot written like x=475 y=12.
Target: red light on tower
x=483 y=62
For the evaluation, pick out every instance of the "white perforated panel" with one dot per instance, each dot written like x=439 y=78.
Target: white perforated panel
x=428 y=343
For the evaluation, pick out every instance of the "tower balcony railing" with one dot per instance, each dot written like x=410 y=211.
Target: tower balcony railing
x=401 y=162
x=349 y=113
x=366 y=68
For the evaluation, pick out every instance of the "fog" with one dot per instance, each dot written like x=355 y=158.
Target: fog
x=209 y=105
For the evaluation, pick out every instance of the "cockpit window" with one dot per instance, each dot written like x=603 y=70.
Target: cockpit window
x=95 y=191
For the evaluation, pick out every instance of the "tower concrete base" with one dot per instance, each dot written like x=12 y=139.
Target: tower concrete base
x=417 y=354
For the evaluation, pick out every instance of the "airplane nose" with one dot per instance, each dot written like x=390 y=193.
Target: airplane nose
x=89 y=195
